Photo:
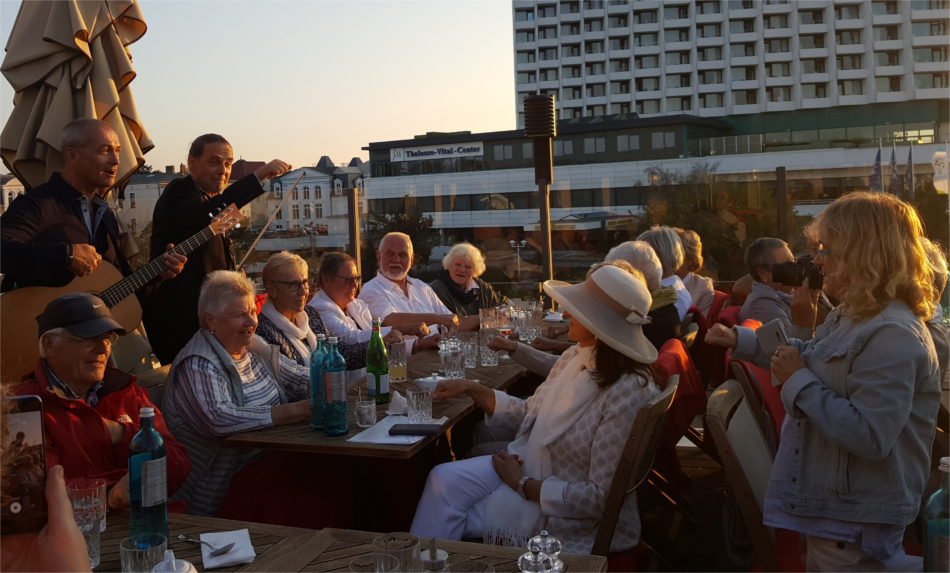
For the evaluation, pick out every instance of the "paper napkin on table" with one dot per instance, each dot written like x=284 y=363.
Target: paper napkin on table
x=554 y=317
x=379 y=434
x=398 y=406
x=242 y=552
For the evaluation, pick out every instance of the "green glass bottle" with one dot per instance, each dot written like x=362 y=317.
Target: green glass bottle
x=377 y=366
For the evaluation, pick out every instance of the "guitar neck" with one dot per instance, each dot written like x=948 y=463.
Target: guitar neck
x=122 y=289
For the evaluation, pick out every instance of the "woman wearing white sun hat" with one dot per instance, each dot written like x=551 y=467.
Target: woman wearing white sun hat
x=570 y=434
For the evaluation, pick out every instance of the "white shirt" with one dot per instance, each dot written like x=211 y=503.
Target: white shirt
x=384 y=297
x=702 y=291
x=683 y=299
x=352 y=325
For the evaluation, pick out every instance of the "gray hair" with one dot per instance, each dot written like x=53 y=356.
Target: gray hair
x=759 y=254
x=57 y=333
x=642 y=257
x=218 y=289
x=668 y=247
x=279 y=263
x=76 y=134
x=395 y=234
x=465 y=251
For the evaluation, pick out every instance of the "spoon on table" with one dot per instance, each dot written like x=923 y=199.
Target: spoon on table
x=214 y=551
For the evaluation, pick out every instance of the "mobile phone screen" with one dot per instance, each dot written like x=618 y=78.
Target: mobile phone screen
x=23 y=487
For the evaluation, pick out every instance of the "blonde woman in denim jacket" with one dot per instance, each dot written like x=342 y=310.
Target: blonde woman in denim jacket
x=861 y=397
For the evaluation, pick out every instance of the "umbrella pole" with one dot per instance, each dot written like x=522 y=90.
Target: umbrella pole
x=269 y=221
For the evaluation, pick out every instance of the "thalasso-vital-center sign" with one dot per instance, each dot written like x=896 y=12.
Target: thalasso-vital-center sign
x=473 y=149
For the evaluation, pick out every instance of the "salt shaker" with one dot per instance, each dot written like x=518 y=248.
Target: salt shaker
x=434 y=559
x=535 y=561
x=550 y=546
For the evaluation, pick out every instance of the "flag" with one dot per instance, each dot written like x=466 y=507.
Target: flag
x=894 y=188
x=876 y=182
x=939 y=161
x=909 y=174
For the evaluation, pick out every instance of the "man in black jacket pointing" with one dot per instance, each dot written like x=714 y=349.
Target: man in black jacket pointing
x=171 y=316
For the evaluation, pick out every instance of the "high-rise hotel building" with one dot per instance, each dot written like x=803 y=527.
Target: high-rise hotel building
x=713 y=58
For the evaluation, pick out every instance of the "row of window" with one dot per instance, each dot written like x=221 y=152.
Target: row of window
x=315 y=213
x=815 y=16
x=317 y=193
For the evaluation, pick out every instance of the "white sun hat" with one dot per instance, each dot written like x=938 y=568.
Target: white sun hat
x=613 y=305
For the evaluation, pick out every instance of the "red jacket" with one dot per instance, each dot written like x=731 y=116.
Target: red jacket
x=77 y=438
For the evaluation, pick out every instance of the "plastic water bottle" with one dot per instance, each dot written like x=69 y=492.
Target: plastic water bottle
x=316 y=383
x=336 y=419
x=936 y=518
x=148 y=479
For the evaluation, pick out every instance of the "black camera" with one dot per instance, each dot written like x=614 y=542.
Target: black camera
x=793 y=273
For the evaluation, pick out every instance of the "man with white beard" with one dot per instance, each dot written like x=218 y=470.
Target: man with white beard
x=400 y=299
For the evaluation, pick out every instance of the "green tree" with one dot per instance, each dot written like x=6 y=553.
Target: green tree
x=241 y=240
x=403 y=220
x=145 y=169
x=142 y=239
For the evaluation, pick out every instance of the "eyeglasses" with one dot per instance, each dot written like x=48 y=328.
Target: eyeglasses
x=109 y=338
x=353 y=280
x=295 y=286
x=823 y=253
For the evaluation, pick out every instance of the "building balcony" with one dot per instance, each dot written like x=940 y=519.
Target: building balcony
x=931 y=93
x=929 y=14
x=622 y=31
x=547 y=43
x=640 y=28
x=742 y=14
x=550 y=21
x=602 y=100
x=526 y=25
x=709 y=18
x=744 y=61
x=744 y=37
x=547 y=85
x=569 y=18
x=780 y=106
x=593 y=13
x=811 y=4
x=808 y=53
x=849 y=49
x=679 y=92
x=676 y=22
x=711 y=65
x=594 y=36
x=853 y=74
x=923 y=67
x=778 y=57
x=640 y=51
x=710 y=88
x=647 y=5
x=882 y=45
x=930 y=41
x=709 y=42
x=815 y=78
x=889 y=71
x=779 y=81
x=529 y=67
x=816 y=102
x=744 y=85
x=887 y=97
x=621 y=98
x=601 y=57
x=853 y=99
x=572 y=60
x=596 y=79
x=619 y=8
x=853 y=24
x=710 y=111
x=887 y=19
x=648 y=73
x=532 y=87
x=621 y=76
x=678 y=46
x=777 y=33
x=526 y=45
x=769 y=9
x=746 y=108
x=822 y=28
x=678 y=68
x=572 y=82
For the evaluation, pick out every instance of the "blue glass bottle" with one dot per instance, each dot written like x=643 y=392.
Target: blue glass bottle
x=316 y=383
x=936 y=517
x=336 y=419
x=148 y=479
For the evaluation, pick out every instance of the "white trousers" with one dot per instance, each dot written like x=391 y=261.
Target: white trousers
x=455 y=498
x=831 y=555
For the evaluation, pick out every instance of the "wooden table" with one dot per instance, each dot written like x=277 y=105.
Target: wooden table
x=292 y=549
x=301 y=438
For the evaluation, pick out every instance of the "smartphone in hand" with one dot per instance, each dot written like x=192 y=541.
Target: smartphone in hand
x=23 y=487
x=771 y=335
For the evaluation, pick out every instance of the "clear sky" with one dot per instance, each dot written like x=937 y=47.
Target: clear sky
x=296 y=80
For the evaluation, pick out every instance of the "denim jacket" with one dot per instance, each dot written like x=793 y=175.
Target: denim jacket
x=864 y=412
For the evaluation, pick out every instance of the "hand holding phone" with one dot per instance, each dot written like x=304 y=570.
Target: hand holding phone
x=23 y=487
x=771 y=335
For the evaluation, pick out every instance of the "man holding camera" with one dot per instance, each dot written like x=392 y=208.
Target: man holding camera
x=796 y=308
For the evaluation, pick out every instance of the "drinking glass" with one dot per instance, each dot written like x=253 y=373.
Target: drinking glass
x=365 y=413
x=397 y=362
x=469 y=342
x=420 y=406
x=403 y=546
x=456 y=367
x=450 y=332
x=89 y=511
x=140 y=554
x=489 y=357
x=377 y=562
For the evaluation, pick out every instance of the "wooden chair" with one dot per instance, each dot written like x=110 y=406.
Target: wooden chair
x=753 y=396
x=747 y=461
x=635 y=464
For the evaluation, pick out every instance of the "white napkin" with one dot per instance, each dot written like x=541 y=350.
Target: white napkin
x=398 y=406
x=242 y=552
x=554 y=317
x=379 y=434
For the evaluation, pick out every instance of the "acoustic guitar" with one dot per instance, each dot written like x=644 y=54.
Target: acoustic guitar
x=19 y=331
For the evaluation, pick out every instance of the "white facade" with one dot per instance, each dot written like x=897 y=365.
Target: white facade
x=10 y=189
x=309 y=205
x=728 y=57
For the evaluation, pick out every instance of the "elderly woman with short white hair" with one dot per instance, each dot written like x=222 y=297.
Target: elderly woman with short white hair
x=458 y=285
x=227 y=380
x=663 y=311
x=668 y=247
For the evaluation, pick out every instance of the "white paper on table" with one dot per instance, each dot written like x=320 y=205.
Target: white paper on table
x=398 y=406
x=554 y=317
x=379 y=434
x=242 y=552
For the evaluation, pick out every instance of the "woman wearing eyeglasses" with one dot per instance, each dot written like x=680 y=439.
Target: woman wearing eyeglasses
x=346 y=316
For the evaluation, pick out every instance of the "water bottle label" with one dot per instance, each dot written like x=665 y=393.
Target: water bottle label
x=383 y=383
x=154 y=482
x=335 y=386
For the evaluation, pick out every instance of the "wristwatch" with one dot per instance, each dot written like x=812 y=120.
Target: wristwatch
x=521 y=483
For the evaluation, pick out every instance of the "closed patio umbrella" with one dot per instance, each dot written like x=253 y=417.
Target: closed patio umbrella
x=69 y=59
